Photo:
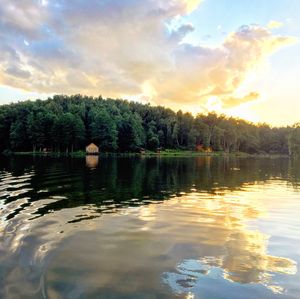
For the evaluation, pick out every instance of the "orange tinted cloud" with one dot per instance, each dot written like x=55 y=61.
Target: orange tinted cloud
x=228 y=102
x=124 y=48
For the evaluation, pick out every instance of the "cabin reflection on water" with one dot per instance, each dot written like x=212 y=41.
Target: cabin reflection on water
x=92 y=161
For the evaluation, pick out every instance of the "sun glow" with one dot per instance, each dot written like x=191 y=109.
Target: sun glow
x=244 y=111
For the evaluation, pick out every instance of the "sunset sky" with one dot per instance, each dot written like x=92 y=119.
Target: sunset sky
x=238 y=57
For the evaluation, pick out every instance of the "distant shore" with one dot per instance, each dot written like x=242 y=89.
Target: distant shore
x=164 y=153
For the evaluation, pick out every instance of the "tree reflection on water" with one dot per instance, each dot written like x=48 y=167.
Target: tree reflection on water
x=72 y=227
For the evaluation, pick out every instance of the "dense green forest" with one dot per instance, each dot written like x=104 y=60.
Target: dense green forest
x=69 y=123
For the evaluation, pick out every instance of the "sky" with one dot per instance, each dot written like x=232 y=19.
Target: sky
x=238 y=57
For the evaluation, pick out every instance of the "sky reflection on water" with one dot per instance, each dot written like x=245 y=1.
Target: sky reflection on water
x=149 y=228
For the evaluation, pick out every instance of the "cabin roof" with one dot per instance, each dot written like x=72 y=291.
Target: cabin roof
x=92 y=148
x=92 y=145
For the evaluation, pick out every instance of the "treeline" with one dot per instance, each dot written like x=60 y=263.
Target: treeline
x=69 y=123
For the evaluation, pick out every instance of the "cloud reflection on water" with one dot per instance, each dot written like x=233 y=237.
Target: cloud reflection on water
x=193 y=239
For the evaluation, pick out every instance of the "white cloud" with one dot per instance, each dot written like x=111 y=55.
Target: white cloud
x=124 y=48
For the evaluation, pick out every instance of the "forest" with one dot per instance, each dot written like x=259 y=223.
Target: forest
x=69 y=123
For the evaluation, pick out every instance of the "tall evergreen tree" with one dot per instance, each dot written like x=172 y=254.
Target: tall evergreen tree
x=104 y=131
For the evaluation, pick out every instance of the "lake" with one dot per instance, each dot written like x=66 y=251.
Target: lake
x=201 y=227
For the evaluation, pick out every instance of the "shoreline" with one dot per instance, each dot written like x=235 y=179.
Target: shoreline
x=166 y=153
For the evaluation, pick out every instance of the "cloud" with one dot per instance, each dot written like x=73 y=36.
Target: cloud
x=17 y=72
x=231 y=101
x=274 y=24
x=124 y=48
x=192 y=4
x=201 y=72
x=179 y=33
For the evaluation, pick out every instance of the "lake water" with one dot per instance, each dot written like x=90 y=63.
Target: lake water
x=206 y=228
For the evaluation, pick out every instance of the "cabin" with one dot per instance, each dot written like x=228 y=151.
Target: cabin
x=92 y=149
x=201 y=148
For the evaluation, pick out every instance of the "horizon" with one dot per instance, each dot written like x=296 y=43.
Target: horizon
x=190 y=55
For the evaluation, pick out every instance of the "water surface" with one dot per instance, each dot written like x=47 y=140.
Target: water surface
x=202 y=227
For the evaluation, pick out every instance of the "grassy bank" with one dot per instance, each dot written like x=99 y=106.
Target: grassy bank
x=80 y=154
x=165 y=153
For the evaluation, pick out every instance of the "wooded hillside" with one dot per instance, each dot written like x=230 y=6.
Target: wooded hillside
x=67 y=123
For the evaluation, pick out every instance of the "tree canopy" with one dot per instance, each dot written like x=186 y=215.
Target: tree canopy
x=67 y=123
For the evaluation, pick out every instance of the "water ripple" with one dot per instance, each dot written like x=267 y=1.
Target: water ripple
x=147 y=228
